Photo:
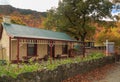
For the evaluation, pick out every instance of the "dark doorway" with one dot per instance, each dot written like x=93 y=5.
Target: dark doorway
x=53 y=50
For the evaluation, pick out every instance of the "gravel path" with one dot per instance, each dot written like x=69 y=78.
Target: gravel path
x=113 y=75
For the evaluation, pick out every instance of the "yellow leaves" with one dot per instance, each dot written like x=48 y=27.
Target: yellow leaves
x=112 y=34
x=28 y=20
x=17 y=20
x=95 y=75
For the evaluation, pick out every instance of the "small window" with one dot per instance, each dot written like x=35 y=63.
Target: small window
x=32 y=50
x=64 y=49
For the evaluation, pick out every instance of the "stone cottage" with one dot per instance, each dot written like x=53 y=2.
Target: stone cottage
x=19 y=42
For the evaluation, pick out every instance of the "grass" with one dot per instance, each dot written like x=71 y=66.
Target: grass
x=13 y=70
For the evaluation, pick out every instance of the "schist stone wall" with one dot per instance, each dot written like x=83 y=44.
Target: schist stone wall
x=61 y=73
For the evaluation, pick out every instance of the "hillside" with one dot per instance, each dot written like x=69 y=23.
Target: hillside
x=36 y=19
x=23 y=16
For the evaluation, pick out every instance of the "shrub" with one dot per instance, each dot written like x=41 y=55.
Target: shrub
x=13 y=70
x=95 y=55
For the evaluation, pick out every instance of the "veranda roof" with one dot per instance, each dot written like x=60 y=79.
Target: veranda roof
x=16 y=31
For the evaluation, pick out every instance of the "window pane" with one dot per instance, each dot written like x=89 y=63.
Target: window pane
x=31 y=50
x=64 y=49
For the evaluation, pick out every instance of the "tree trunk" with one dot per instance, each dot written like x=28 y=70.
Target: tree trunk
x=83 y=41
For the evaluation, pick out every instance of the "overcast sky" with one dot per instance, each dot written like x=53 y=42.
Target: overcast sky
x=39 y=5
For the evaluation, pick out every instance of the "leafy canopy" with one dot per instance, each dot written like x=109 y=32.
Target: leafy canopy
x=76 y=17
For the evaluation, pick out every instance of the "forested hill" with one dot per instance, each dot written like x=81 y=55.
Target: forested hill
x=23 y=16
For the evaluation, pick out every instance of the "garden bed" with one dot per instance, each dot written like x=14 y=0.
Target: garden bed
x=58 y=71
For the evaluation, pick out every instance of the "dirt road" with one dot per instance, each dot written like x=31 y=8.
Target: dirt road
x=113 y=75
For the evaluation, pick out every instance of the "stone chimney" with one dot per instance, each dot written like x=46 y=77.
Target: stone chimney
x=7 y=19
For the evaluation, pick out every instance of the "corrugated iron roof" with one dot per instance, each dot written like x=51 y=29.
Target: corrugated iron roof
x=16 y=30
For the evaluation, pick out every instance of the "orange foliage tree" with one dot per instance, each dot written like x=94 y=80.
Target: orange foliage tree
x=111 y=34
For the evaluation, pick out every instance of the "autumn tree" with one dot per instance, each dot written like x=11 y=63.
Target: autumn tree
x=17 y=20
x=111 y=34
x=49 y=22
x=75 y=17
